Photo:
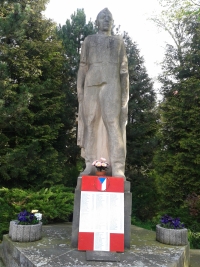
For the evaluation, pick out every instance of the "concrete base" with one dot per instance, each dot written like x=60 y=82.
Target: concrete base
x=127 y=214
x=102 y=256
x=54 y=250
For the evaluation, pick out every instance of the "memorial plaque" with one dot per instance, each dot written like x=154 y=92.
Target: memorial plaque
x=101 y=225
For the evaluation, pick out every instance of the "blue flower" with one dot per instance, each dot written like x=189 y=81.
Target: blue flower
x=25 y=217
x=168 y=222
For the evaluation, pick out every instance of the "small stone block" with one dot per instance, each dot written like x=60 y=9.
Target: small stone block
x=79 y=182
x=102 y=256
x=127 y=186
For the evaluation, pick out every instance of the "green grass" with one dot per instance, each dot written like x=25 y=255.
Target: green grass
x=149 y=225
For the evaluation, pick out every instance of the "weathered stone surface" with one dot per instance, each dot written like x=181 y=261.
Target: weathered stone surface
x=127 y=219
x=54 y=250
x=103 y=92
x=176 y=237
x=11 y=227
x=1 y=262
x=25 y=233
x=102 y=256
x=127 y=186
x=76 y=216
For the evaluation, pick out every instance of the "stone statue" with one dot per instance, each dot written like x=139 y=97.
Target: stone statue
x=103 y=92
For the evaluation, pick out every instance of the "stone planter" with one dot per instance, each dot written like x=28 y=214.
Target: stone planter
x=25 y=233
x=175 y=237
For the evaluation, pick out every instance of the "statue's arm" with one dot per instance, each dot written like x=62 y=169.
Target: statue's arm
x=82 y=72
x=124 y=76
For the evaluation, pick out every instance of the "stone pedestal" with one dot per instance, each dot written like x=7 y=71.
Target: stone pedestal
x=54 y=249
x=127 y=214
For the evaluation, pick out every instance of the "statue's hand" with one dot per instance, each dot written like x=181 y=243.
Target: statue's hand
x=124 y=104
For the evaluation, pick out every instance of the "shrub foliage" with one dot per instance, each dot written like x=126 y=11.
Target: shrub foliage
x=55 y=204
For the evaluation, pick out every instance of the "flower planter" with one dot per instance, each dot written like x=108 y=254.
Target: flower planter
x=25 y=233
x=175 y=237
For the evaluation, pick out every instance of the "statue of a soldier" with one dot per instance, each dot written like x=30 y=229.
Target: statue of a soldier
x=103 y=92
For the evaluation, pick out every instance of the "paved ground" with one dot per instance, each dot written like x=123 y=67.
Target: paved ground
x=194 y=257
x=1 y=263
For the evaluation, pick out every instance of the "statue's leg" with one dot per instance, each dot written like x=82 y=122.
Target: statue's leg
x=110 y=103
x=91 y=112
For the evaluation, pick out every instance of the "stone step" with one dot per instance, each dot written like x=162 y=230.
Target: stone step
x=54 y=250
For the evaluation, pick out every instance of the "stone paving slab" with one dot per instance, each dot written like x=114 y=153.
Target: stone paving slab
x=195 y=258
x=102 y=256
x=54 y=250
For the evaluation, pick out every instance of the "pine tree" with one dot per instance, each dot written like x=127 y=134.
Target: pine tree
x=72 y=34
x=31 y=97
x=141 y=130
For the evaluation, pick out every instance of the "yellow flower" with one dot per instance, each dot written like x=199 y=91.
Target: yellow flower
x=34 y=211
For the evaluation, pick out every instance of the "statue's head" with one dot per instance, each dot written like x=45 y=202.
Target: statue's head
x=104 y=21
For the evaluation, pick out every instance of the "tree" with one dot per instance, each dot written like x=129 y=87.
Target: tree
x=31 y=97
x=72 y=35
x=177 y=160
x=141 y=130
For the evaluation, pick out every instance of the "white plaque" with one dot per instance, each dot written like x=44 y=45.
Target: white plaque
x=101 y=213
x=101 y=241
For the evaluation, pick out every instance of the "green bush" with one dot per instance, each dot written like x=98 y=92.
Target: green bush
x=55 y=204
x=7 y=212
x=194 y=239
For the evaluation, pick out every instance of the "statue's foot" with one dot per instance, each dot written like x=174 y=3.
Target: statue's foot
x=119 y=174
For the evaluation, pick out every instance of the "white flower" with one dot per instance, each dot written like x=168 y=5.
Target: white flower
x=103 y=159
x=38 y=216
